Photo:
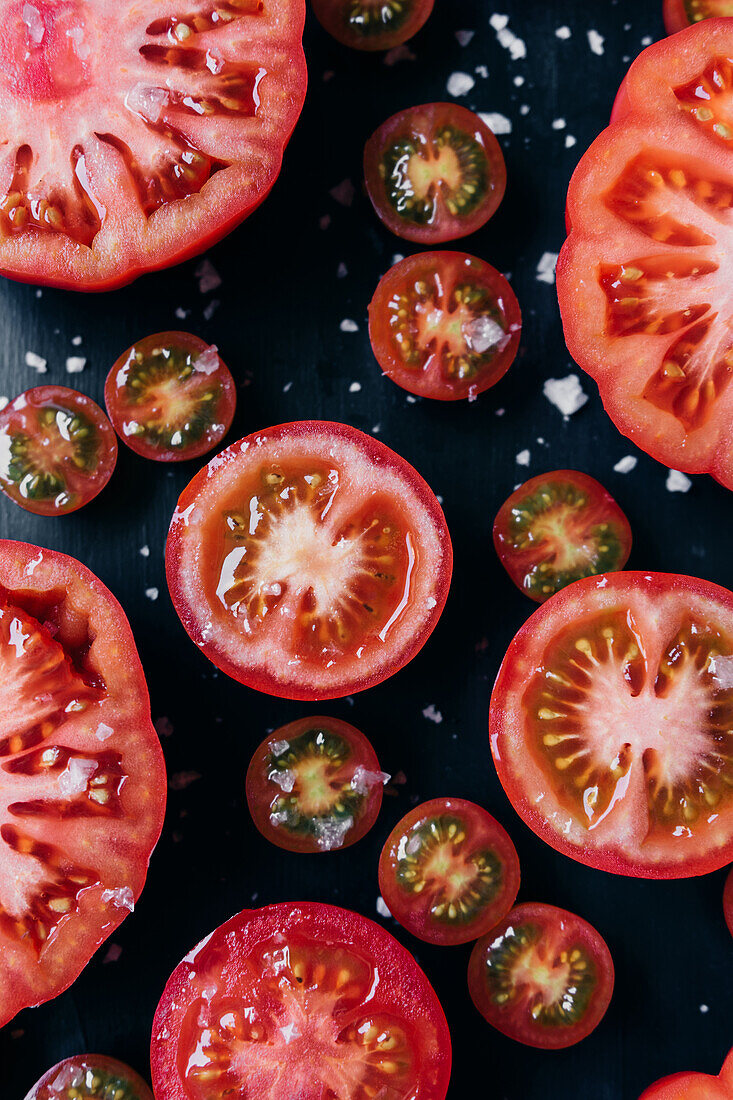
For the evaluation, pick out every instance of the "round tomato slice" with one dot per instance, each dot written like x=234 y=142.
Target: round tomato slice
x=57 y=450
x=728 y=901
x=612 y=724
x=694 y=1086
x=82 y=778
x=444 y=325
x=644 y=277
x=299 y=999
x=448 y=871
x=308 y=560
x=129 y=151
x=679 y=14
x=557 y=528
x=434 y=173
x=372 y=24
x=543 y=977
x=315 y=785
x=90 y=1077
x=170 y=397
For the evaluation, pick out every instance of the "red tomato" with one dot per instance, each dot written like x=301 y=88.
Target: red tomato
x=434 y=173
x=679 y=14
x=694 y=1086
x=372 y=24
x=132 y=150
x=643 y=292
x=299 y=999
x=170 y=397
x=448 y=871
x=314 y=785
x=557 y=528
x=90 y=1077
x=444 y=325
x=82 y=782
x=728 y=901
x=543 y=977
x=611 y=724
x=57 y=450
x=309 y=561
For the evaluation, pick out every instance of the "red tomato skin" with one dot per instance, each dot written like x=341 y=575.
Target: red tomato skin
x=329 y=14
x=675 y=16
x=43 y=1090
x=694 y=1086
x=728 y=910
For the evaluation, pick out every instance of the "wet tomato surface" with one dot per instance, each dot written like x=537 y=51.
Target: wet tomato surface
x=694 y=1086
x=90 y=1077
x=372 y=24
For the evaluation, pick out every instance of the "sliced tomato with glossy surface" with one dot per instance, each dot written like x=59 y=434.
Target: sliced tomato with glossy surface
x=82 y=778
x=308 y=560
x=448 y=871
x=434 y=173
x=170 y=397
x=132 y=150
x=611 y=724
x=315 y=785
x=90 y=1077
x=694 y=1086
x=372 y=24
x=543 y=976
x=57 y=450
x=679 y=14
x=299 y=999
x=559 y=527
x=444 y=325
x=644 y=278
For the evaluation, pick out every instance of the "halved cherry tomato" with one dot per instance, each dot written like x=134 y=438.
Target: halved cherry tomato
x=679 y=14
x=728 y=901
x=82 y=778
x=694 y=1086
x=137 y=133
x=644 y=295
x=309 y=561
x=372 y=24
x=444 y=325
x=170 y=397
x=448 y=871
x=315 y=785
x=434 y=173
x=557 y=528
x=299 y=999
x=543 y=977
x=90 y=1077
x=57 y=450
x=611 y=724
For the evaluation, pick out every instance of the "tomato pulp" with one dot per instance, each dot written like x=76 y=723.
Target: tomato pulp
x=90 y=1077
x=694 y=1086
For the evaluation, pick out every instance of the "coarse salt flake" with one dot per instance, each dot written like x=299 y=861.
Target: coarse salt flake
x=347 y=325
x=523 y=458
x=677 y=482
x=496 y=122
x=460 y=84
x=595 y=41
x=464 y=37
x=626 y=464
x=566 y=394
x=75 y=364
x=432 y=714
x=546 y=268
x=208 y=277
x=381 y=907
x=37 y=362
x=103 y=732
x=507 y=38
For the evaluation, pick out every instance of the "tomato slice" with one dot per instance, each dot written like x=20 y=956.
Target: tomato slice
x=434 y=173
x=299 y=999
x=643 y=279
x=90 y=1077
x=57 y=450
x=694 y=1086
x=612 y=724
x=543 y=977
x=308 y=560
x=170 y=397
x=372 y=24
x=132 y=150
x=557 y=528
x=679 y=14
x=82 y=778
x=728 y=901
x=315 y=785
x=444 y=325
x=448 y=871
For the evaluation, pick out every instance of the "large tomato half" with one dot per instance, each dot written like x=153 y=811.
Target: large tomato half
x=82 y=779
x=135 y=134
x=612 y=724
x=644 y=279
x=694 y=1086
x=308 y=560
x=299 y=1000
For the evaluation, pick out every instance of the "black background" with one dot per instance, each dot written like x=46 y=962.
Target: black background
x=277 y=325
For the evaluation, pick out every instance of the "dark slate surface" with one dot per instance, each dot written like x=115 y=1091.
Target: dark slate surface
x=276 y=318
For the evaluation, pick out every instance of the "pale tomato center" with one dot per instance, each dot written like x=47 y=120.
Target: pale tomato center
x=46 y=48
x=428 y=170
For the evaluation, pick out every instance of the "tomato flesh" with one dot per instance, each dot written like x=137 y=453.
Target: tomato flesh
x=434 y=173
x=57 y=450
x=448 y=871
x=315 y=785
x=679 y=14
x=90 y=1077
x=444 y=325
x=170 y=397
x=543 y=977
x=372 y=24
x=694 y=1086
x=557 y=528
x=299 y=999
x=308 y=560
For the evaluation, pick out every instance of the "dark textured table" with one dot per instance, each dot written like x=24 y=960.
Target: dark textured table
x=305 y=262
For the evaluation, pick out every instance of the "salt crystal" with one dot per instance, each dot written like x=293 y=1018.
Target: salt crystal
x=354 y=387
x=432 y=714
x=342 y=271
x=563 y=33
x=75 y=364
x=721 y=668
x=210 y=308
x=347 y=325
x=152 y=593
x=208 y=277
x=595 y=41
x=507 y=38
x=626 y=464
x=522 y=459
x=103 y=732
x=570 y=141
x=566 y=394
x=146 y=102
x=382 y=907
x=182 y=313
x=677 y=482
x=546 y=268
x=76 y=341
x=207 y=361
x=483 y=332
x=121 y=897
x=496 y=122
x=464 y=37
x=31 y=16
x=460 y=84
x=363 y=780
x=559 y=124
x=331 y=833
x=145 y=551
x=75 y=777
x=36 y=361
